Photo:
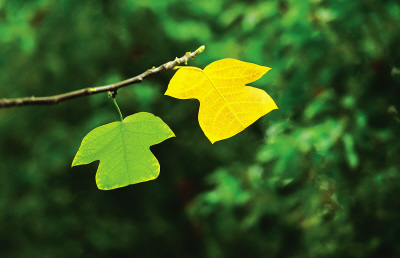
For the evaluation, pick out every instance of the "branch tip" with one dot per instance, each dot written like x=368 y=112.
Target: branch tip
x=200 y=49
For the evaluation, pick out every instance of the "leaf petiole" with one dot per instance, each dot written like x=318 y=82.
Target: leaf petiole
x=119 y=111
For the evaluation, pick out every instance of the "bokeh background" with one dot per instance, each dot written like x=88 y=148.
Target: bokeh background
x=320 y=177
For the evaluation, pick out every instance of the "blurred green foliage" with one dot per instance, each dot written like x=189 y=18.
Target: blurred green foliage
x=317 y=178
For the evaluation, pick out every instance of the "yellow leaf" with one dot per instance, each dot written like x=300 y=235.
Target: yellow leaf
x=227 y=106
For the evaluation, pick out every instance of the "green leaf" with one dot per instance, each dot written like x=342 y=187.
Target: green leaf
x=123 y=149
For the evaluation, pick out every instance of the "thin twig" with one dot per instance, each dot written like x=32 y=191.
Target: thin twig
x=89 y=91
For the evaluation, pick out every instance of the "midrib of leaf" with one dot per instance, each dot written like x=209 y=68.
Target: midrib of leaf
x=123 y=144
x=227 y=104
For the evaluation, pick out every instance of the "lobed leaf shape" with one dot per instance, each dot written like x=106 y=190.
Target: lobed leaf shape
x=227 y=105
x=123 y=149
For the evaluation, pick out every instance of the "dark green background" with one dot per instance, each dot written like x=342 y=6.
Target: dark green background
x=317 y=178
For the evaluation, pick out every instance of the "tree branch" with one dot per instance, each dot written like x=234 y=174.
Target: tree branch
x=89 y=91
